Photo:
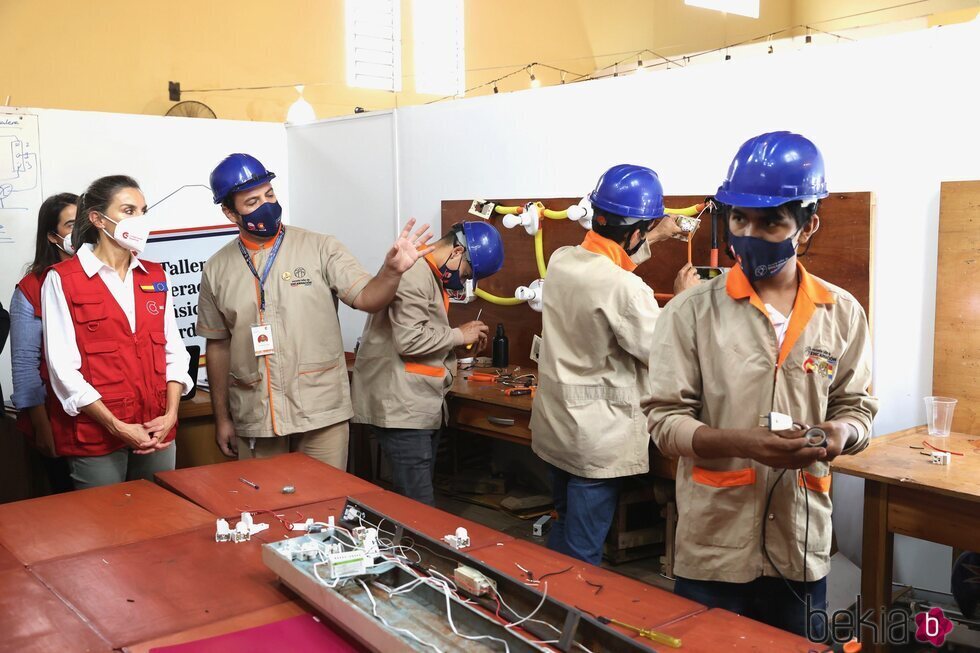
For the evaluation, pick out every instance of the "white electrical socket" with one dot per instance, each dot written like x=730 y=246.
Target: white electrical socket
x=535 y=348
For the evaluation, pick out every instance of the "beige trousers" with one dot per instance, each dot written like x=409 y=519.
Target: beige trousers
x=328 y=445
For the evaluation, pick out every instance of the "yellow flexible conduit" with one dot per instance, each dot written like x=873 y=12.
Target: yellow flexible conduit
x=539 y=243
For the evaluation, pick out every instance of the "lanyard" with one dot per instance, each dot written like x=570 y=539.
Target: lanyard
x=268 y=265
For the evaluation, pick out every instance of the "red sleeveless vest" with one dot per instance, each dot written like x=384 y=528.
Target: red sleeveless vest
x=128 y=369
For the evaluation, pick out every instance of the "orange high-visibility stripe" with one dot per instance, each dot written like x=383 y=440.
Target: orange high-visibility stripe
x=730 y=478
x=425 y=370
x=815 y=483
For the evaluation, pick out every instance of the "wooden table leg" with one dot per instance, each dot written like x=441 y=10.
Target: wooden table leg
x=876 y=563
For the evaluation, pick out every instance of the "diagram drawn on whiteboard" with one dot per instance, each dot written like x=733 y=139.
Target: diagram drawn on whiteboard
x=20 y=172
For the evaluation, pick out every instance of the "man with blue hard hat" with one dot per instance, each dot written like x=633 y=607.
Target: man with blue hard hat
x=275 y=356
x=748 y=363
x=406 y=362
x=597 y=326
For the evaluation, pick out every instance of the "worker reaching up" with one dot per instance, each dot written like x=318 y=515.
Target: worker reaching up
x=406 y=362
x=597 y=327
x=765 y=337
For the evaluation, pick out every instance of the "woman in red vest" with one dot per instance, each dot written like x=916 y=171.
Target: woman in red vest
x=31 y=396
x=115 y=357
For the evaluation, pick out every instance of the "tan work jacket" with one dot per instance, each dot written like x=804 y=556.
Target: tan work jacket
x=303 y=385
x=406 y=363
x=717 y=363
x=597 y=327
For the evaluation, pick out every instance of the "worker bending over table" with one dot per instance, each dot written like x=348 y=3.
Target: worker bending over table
x=753 y=494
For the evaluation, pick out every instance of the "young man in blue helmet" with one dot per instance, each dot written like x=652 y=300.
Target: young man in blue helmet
x=267 y=307
x=406 y=362
x=753 y=498
x=597 y=326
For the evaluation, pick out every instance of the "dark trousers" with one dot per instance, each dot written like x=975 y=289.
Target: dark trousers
x=585 y=508
x=765 y=599
x=412 y=456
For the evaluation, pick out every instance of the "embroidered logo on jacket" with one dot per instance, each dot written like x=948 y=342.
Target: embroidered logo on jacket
x=821 y=362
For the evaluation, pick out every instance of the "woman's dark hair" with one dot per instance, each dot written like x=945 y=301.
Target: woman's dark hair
x=46 y=253
x=97 y=197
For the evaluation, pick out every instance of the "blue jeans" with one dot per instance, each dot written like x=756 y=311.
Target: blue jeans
x=585 y=508
x=765 y=599
x=412 y=456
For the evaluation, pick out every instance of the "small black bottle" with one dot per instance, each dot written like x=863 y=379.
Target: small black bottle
x=500 y=348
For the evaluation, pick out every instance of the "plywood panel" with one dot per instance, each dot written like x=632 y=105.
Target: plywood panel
x=840 y=254
x=956 y=366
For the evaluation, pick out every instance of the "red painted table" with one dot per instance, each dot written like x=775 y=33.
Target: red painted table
x=74 y=522
x=218 y=488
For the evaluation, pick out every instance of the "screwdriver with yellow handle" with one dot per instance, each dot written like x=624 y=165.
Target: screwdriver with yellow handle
x=660 y=638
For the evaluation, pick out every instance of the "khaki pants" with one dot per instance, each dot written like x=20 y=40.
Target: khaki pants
x=328 y=445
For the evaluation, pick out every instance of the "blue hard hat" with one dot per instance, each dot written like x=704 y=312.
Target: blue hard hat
x=772 y=169
x=238 y=172
x=485 y=248
x=630 y=191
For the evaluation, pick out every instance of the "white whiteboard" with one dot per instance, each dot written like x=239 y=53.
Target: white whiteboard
x=343 y=182
x=161 y=153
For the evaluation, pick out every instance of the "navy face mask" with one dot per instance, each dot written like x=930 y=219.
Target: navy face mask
x=452 y=279
x=758 y=258
x=264 y=221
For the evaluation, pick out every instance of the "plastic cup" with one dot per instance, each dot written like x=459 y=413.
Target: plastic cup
x=939 y=414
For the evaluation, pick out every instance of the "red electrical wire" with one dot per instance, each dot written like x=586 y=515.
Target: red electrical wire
x=955 y=453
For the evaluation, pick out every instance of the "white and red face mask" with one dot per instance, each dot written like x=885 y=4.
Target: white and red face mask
x=131 y=233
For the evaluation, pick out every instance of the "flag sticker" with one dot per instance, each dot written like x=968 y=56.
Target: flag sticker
x=158 y=286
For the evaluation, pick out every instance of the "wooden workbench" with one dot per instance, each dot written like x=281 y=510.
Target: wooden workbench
x=905 y=493
x=182 y=586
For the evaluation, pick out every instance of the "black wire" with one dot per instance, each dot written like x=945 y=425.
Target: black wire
x=765 y=550
x=168 y=195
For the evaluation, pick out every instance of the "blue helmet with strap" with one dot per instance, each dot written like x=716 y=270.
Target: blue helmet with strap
x=238 y=172
x=773 y=169
x=484 y=247
x=629 y=191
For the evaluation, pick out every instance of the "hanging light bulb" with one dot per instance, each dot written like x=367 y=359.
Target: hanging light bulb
x=495 y=89
x=639 y=66
x=770 y=49
x=728 y=57
x=809 y=39
x=535 y=83
x=563 y=77
x=300 y=111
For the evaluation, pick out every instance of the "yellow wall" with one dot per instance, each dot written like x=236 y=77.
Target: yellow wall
x=117 y=55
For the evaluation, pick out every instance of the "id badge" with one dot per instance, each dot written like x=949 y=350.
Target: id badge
x=262 y=339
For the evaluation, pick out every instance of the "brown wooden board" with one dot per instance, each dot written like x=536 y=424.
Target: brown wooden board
x=218 y=488
x=956 y=367
x=74 y=522
x=840 y=254
x=891 y=459
x=609 y=595
x=33 y=619
x=145 y=590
